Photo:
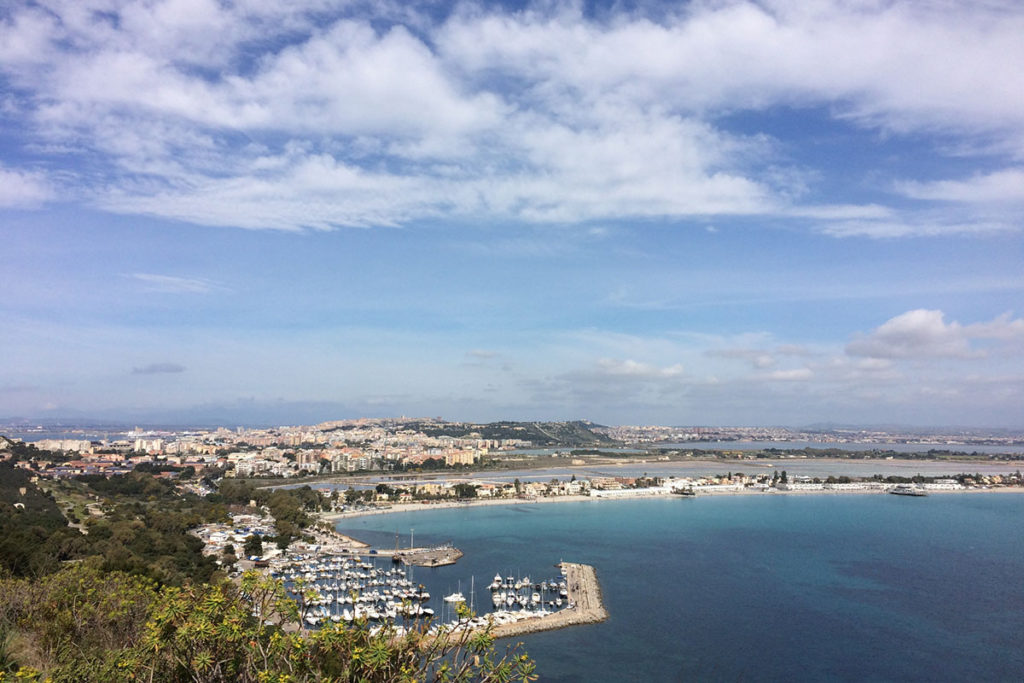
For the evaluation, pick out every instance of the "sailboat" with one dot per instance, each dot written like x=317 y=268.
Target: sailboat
x=456 y=597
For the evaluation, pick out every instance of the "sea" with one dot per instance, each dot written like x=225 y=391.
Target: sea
x=760 y=588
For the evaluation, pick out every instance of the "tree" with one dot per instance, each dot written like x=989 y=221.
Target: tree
x=465 y=491
x=253 y=545
x=784 y=479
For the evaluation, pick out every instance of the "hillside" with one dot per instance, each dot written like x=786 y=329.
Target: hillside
x=540 y=434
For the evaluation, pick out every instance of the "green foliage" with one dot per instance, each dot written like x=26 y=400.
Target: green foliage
x=28 y=451
x=75 y=622
x=431 y=464
x=134 y=484
x=234 y=491
x=87 y=625
x=575 y=433
x=140 y=526
x=289 y=507
x=253 y=545
x=465 y=491
x=34 y=536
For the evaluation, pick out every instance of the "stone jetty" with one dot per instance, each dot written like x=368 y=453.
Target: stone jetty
x=429 y=557
x=585 y=596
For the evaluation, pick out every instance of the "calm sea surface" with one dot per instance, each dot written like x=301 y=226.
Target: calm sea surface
x=860 y=587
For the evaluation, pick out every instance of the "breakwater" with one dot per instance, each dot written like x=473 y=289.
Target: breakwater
x=585 y=600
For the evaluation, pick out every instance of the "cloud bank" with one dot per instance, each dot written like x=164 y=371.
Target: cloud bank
x=299 y=115
x=923 y=334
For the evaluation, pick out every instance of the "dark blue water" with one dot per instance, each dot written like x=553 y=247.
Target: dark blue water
x=845 y=588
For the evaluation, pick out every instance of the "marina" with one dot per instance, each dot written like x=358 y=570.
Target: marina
x=334 y=588
x=331 y=588
x=584 y=605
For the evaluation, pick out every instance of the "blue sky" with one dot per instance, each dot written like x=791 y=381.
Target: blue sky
x=683 y=213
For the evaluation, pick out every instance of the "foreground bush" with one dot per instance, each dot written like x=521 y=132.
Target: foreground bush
x=85 y=625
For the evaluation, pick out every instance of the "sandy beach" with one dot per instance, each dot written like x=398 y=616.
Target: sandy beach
x=434 y=505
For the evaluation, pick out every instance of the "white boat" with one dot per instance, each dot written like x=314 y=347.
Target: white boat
x=455 y=597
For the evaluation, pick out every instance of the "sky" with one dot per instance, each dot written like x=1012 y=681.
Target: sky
x=703 y=213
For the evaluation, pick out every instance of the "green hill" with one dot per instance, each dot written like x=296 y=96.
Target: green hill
x=540 y=434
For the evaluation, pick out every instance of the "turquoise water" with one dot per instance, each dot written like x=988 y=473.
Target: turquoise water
x=854 y=588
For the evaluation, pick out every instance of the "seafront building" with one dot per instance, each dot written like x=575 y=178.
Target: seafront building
x=421 y=444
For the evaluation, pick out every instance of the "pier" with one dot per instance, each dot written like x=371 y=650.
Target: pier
x=437 y=556
x=584 y=595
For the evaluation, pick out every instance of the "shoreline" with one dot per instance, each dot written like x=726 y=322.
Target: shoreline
x=334 y=517
x=623 y=462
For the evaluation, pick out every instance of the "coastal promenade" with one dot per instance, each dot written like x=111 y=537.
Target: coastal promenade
x=585 y=596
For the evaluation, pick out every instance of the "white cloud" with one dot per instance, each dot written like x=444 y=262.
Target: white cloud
x=633 y=369
x=173 y=284
x=762 y=357
x=758 y=358
x=23 y=188
x=313 y=191
x=921 y=333
x=842 y=212
x=1006 y=185
x=874 y=364
x=881 y=59
x=793 y=375
x=291 y=115
x=916 y=227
